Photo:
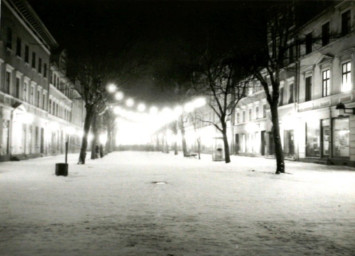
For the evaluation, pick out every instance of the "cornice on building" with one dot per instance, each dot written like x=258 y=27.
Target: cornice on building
x=28 y=17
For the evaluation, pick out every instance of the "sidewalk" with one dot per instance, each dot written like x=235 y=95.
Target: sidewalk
x=151 y=203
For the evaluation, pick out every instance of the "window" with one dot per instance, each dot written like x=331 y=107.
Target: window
x=341 y=137
x=45 y=70
x=25 y=90
x=308 y=88
x=346 y=77
x=309 y=43
x=18 y=47
x=290 y=99
x=17 y=92
x=32 y=91
x=345 y=23
x=44 y=101
x=50 y=106
x=38 y=98
x=238 y=118
x=39 y=65
x=264 y=110
x=250 y=112
x=291 y=54
x=243 y=116
x=33 y=60
x=7 y=81
x=9 y=38
x=281 y=96
x=325 y=34
x=326 y=83
x=250 y=88
x=325 y=134
x=256 y=112
x=27 y=54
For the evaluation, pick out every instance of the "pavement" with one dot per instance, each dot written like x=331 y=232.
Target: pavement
x=151 y=203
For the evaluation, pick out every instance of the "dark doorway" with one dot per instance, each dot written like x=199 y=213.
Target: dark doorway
x=42 y=141
x=237 y=143
x=263 y=143
x=271 y=144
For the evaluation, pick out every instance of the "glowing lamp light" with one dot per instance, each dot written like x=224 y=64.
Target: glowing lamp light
x=90 y=137
x=103 y=138
x=28 y=118
x=141 y=107
x=53 y=126
x=199 y=102
x=119 y=96
x=116 y=110
x=153 y=110
x=111 y=88
x=129 y=102
x=80 y=134
x=69 y=130
x=178 y=110
x=189 y=107
x=166 y=111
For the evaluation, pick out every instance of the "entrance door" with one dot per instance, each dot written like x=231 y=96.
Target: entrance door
x=42 y=141
x=5 y=137
x=289 y=142
x=263 y=144
x=237 y=143
x=271 y=144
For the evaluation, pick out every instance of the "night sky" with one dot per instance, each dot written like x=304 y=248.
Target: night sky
x=156 y=33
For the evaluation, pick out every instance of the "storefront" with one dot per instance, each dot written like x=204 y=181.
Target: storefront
x=328 y=138
x=341 y=137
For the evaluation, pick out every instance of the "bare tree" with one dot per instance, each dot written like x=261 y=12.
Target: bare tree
x=88 y=74
x=218 y=80
x=279 y=32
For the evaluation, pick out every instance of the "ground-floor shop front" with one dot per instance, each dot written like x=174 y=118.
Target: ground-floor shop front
x=27 y=133
x=320 y=135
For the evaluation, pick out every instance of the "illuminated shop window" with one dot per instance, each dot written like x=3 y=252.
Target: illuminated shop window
x=325 y=137
x=341 y=137
x=312 y=139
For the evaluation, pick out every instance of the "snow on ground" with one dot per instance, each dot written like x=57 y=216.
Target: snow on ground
x=148 y=203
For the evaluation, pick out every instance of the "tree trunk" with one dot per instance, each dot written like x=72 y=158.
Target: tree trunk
x=227 y=158
x=182 y=129
x=95 y=148
x=280 y=163
x=84 y=142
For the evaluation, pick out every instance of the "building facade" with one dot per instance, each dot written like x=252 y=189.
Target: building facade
x=320 y=77
x=317 y=76
x=29 y=124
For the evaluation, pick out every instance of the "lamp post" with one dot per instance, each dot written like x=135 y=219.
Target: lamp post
x=341 y=106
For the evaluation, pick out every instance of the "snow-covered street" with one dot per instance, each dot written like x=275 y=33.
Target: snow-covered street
x=150 y=203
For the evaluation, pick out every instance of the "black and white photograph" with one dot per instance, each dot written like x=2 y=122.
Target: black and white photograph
x=177 y=127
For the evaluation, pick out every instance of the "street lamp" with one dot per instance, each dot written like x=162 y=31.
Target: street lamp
x=119 y=96
x=141 y=107
x=111 y=88
x=153 y=110
x=341 y=106
x=129 y=102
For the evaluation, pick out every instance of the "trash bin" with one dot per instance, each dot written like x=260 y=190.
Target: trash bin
x=218 y=154
x=61 y=169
